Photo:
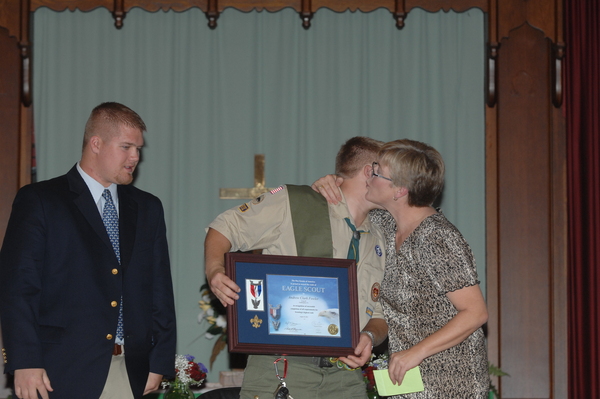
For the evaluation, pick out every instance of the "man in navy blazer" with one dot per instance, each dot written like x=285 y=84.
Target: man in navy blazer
x=63 y=285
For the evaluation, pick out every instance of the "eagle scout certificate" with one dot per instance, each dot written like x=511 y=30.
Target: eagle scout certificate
x=302 y=305
x=293 y=305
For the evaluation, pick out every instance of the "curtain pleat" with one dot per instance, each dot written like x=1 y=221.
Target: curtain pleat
x=582 y=104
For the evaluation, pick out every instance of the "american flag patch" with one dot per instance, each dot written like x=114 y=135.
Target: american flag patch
x=276 y=190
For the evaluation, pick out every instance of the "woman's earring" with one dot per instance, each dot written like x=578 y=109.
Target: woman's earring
x=395 y=199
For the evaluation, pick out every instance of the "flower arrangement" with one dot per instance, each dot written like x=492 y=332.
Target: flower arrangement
x=377 y=362
x=187 y=371
x=214 y=313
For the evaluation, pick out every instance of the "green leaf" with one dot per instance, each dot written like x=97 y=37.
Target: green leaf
x=496 y=371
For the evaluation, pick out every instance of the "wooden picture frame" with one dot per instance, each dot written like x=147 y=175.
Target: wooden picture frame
x=293 y=305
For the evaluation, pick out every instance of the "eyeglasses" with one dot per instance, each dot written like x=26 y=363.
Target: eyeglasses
x=375 y=166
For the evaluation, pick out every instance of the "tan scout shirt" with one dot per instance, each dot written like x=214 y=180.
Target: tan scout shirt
x=266 y=223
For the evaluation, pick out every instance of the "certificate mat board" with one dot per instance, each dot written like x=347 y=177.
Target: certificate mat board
x=293 y=305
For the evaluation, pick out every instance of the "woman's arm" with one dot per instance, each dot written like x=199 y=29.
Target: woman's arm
x=327 y=186
x=472 y=314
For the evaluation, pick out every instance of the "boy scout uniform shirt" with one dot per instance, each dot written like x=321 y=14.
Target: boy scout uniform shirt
x=266 y=223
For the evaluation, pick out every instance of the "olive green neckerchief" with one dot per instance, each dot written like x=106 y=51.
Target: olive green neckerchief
x=310 y=218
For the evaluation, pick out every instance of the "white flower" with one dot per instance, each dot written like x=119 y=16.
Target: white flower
x=221 y=321
x=206 y=296
x=182 y=365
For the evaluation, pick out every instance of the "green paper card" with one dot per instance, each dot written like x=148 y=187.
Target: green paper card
x=412 y=382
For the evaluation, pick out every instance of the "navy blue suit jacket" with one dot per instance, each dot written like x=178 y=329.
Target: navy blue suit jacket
x=59 y=275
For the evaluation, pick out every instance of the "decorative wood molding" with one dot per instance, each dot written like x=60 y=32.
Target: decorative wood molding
x=119 y=13
x=10 y=17
x=400 y=13
x=540 y=14
x=305 y=8
x=558 y=53
x=25 y=49
x=212 y=13
x=491 y=74
x=306 y=13
x=72 y=5
x=448 y=5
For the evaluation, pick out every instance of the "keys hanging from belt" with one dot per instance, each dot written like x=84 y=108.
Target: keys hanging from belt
x=281 y=392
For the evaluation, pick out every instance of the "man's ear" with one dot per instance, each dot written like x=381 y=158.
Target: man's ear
x=367 y=171
x=95 y=143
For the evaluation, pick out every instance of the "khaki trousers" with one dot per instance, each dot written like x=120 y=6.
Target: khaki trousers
x=117 y=383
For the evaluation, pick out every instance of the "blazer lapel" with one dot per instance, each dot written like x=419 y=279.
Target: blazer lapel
x=128 y=211
x=84 y=201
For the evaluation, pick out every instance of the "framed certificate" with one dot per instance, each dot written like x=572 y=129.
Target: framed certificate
x=292 y=305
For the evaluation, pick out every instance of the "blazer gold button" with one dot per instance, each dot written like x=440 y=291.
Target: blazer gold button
x=109 y=336
x=115 y=271
x=113 y=304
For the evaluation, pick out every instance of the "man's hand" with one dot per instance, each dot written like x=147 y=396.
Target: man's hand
x=327 y=186
x=153 y=383
x=28 y=382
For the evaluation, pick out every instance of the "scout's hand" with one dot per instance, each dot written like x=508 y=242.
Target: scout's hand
x=224 y=288
x=362 y=353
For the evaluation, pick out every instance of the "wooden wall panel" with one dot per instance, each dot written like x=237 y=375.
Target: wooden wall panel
x=10 y=106
x=9 y=16
x=540 y=14
x=525 y=182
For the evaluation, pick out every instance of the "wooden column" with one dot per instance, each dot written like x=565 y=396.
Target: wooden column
x=526 y=207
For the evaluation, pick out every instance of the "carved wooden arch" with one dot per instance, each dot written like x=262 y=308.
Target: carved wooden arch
x=525 y=145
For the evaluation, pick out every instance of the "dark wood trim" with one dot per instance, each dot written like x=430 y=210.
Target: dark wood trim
x=305 y=8
x=10 y=110
x=492 y=240
x=559 y=244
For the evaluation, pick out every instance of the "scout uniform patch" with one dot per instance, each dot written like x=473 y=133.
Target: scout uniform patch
x=375 y=292
x=244 y=208
x=276 y=190
x=257 y=200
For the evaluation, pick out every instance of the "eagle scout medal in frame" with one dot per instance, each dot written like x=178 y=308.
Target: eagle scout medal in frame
x=254 y=300
x=293 y=305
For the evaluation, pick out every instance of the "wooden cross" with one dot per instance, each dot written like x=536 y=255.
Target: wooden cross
x=253 y=192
